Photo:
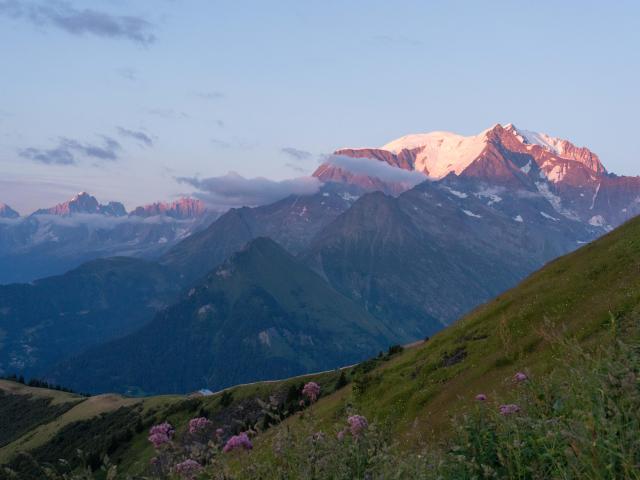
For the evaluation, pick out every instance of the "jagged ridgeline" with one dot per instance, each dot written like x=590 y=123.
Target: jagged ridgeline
x=587 y=300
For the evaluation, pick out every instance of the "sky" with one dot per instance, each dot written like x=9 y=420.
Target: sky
x=145 y=100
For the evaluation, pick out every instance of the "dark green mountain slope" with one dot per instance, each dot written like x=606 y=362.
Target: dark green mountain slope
x=50 y=319
x=292 y=222
x=261 y=315
x=423 y=259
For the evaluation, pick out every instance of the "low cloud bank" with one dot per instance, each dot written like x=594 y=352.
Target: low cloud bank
x=234 y=190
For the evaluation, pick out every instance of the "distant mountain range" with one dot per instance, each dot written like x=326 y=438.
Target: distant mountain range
x=56 y=239
x=399 y=242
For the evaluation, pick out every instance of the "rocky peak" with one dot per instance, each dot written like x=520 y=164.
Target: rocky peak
x=7 y=212
x=183 y=208
x=83 y=203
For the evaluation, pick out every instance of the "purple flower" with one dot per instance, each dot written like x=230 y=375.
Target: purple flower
x=219 y=432
x=341 y=434
x=520 y=377
x=240 y=441
x=311 y=390
x=509 y=409
x=481 y=397
x=161 y=434
x=357 y=424
x=187 y=469
x=198 y=424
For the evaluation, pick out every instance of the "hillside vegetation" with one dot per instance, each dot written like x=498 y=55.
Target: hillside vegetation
x=571 y=330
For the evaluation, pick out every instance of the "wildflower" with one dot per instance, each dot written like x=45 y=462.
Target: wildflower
x=357 y=424
x=240 y=441
x=198 y=424
x=520 y=377
x=481 y=397
x=161 y=434
x=509 y=409
x=219 y=432
x=318 y=436
x=311 y=390
x=341 y=434
x=188 y=469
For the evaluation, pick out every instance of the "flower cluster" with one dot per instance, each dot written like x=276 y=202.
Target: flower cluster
x=312 y=391
x=240 y=441
x=357 y=424
x=520 y=377
x=161 y=434
x=198 y=424
x=509 y=409
x=187 y=469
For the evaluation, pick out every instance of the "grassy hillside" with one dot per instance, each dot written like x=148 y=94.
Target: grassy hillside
x=588 y=300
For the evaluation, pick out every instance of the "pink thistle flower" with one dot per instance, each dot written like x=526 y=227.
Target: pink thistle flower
x=161 y=434
x=187 y=469
x=481 y=397
x=357 y=424
x=520 y=377
x=198 y=424
x=240 y=441
x=509 y=409
x=311 y=390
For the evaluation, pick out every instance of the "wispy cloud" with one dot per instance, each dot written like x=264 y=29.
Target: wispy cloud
x=128 y=73
x=168 y=113
x=234 y=190
x=295 y=167
x=296 y=153
x=68 y=150
x=141 y=137
x=62 y=15
x=236 y=143
x=375 y=168
x=214 y=95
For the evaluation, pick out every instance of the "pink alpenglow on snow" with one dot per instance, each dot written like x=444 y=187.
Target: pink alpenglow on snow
x=312 y=391
x=481 y=397
x=188 y=469
x=198 y=424
x=161 y=434
x=357 y=424
x=520 y=377
x=238 y=442
x=509 y=409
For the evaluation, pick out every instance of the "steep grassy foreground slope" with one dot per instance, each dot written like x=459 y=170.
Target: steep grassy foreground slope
x=590 y=298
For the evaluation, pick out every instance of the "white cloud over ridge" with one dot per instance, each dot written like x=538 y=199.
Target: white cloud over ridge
x=234 y=190
x=375 y=168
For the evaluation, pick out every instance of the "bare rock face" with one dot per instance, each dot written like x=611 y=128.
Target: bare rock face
x=183 y=208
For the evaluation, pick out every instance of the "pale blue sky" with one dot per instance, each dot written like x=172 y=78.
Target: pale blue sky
x=219 y=86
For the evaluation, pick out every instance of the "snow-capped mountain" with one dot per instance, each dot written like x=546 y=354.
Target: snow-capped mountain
x=55 y=239
x=571 y=178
